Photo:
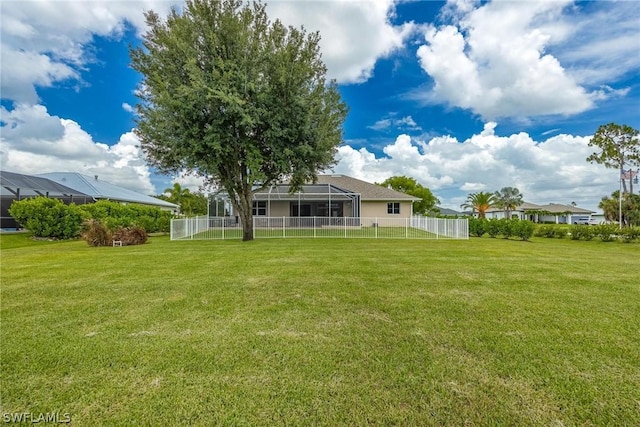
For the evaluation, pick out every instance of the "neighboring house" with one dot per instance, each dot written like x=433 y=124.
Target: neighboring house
x=552 y=212
x=334 y=196
x=102 y=190
x=67 y=187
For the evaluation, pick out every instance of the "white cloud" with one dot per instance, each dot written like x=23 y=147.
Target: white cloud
x=355 y=34
x=552 y=170
x=493 y=58
x=128 y=108
x=45 y=43
x=404 y=123
x=35 y=142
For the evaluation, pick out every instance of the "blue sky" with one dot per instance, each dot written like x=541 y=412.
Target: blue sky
x=464 y=96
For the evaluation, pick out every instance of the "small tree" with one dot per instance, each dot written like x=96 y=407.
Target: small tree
x=403 y=184
x=236 y=99
x=508 y=198
x=480 y=202
x=619 y=146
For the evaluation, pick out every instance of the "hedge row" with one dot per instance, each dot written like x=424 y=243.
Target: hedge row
x=51 y=218
x=604 y=232
x=501 y=227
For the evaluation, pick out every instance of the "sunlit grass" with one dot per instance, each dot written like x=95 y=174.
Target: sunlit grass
x=322 y=331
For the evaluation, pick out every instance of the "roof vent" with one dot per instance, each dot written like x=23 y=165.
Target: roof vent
x=95 y=177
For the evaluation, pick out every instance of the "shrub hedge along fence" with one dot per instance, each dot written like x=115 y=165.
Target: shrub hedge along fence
x=100 y=222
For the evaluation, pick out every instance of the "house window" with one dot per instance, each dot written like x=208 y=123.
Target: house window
x=259 y=208
x=393 y=208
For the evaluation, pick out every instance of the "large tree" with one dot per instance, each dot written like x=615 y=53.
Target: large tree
x=480 y=202
x=235 y=98
x=426 y=204
x=508 y=198
x=619 y=146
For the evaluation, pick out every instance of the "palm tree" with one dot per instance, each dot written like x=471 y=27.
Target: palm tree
x=479 y=202
x=509 y=198
x=179 y=196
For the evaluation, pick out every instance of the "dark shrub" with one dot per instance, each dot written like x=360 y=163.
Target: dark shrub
x=493 y=227
x=523 y=229
x=46 y=217
x=477 y=226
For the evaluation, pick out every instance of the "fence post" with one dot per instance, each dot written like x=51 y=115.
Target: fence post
x=284 y=229
x=376 y=227
x=406 y=228
x=314 y=226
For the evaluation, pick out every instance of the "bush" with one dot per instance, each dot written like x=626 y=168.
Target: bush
x=46 y=217
x=507 y=227
x=116 y=215
x=131 y=235
x=477 y=226
x=493 y=227
x=96 y=234
x=523 y=229
x=630 y=234
x=606 y=232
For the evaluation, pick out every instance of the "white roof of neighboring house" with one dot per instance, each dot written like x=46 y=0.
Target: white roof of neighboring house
x=551 y=208
x=99 y=189
x=558 y=208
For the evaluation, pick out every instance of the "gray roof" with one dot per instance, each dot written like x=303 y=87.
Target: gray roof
x=17 y=184
x=558 y=208
x=366 y=190
x=99 y=189
x=339 y=187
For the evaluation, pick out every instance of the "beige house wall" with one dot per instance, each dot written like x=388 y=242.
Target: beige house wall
x=374 y=209
x=278 y=209
x=379 y=210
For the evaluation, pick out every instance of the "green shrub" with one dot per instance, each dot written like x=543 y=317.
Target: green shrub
x=477 y=226
x=630 y=234
x=576 y=231
x=116 y=215
x=551 y=231
x=606 y=232
x=507 y=227
x=523 y=229
x=46 y=217
x=96 y=234
x=493 y=227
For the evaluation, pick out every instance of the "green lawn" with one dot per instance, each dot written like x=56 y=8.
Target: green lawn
x=322 y=332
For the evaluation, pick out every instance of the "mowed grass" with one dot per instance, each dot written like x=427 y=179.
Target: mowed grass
x=323 y=332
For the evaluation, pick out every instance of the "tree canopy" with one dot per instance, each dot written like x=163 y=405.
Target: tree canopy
x=190 y=203
x=508 y=198
x=628 y=206
x=235 y=98
x=407 y=185
x=480 y=202
x=619 y=146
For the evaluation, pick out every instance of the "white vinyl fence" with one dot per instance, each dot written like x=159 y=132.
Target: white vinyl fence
x=417 y=227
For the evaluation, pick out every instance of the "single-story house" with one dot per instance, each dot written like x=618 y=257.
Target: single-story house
x=67 y=187
x=335 y=196
x=552 y=212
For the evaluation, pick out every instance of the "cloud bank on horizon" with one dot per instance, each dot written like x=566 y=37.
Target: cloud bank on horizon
x=518 y=61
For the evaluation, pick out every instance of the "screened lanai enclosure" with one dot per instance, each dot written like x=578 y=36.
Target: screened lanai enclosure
x=15 y=186
x=318 y=210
